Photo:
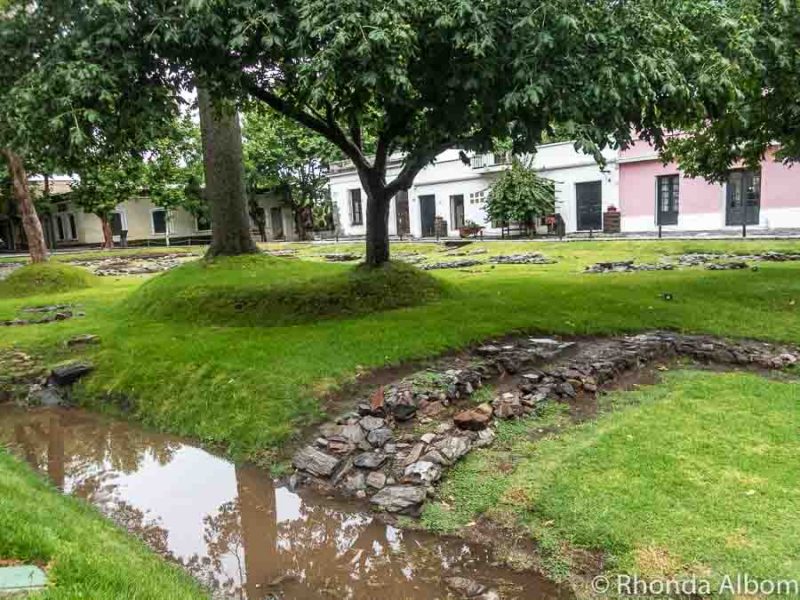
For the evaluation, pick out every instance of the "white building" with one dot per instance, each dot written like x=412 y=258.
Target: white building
x=456 y=192
x=144 y=223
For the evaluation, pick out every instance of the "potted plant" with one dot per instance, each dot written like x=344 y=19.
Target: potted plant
x=470 y=229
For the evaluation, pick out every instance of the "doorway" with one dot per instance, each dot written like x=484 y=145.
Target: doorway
x=401 y=212
x=276 y=222
x=743 y=198
x=589 y=205
x=427 y=209
x=457 y=211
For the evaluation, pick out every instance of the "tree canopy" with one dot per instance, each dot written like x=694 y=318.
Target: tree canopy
x=77 y=82
x=765 y=115
x=284 y=156
x=421 y=76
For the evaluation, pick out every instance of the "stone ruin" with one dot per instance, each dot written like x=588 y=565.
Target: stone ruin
x=626 y=266
x=46 y=314
x=25 y=380
x=711 y=261
x=6 y=268
x=399 y=442
x=142 y=264
x=341 y=257
x=530 y=258
x=451 y=264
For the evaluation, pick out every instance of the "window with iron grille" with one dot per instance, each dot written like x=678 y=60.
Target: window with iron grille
x=356 y=211
x=667 y=199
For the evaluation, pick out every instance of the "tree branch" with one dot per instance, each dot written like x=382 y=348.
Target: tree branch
x=413 y=165
x=328 y=128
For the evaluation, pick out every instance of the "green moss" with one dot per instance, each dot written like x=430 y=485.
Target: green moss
x=45 y=278
x=266 y=291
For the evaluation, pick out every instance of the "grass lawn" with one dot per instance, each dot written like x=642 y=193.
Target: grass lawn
x=247 y=384
x=85 y=556
x=694 y=476
x=248 y=387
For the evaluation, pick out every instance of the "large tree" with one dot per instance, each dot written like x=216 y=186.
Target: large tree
x=765 y=115
x=75 y=77
x=225 y=183
x=282 y=155
x=421 y=76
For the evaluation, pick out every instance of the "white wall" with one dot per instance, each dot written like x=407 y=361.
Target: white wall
x=449 y=176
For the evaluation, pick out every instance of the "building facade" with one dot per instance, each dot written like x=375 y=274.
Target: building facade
x=139 y=219
x=453 y=193
x=653 y=194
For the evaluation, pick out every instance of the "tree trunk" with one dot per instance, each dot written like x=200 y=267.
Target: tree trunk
x=377 y=225
x=108 y=236
x=30 y=220
x=225 y=187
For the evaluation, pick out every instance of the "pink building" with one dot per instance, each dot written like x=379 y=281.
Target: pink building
x=651 y=193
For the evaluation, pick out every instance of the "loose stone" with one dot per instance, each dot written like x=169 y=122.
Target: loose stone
x=315 y=462
x=369 y=460
x=399 y=498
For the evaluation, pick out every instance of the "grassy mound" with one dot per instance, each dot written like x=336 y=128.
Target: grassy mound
x=45 y=278
x=266 y=291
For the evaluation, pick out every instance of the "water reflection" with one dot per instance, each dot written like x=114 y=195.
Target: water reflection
x=232 y=528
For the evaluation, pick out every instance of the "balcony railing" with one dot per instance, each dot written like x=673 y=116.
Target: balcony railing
x=491 y=159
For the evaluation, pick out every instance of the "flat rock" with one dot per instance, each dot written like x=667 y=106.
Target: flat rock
x=453 y=448
x=83 y=340
x=473 y=420
x=423 y=472
x=468 y=588
x=369 y=423
x=399 y=498
x=404 y=412
x=69 y=373
x=380 y=437
x=376 y=480
x=315 y=462
x=369 y=460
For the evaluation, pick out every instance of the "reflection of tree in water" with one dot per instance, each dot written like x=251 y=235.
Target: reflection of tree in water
x=82 y=448
x=147 y=530
x=322 y=553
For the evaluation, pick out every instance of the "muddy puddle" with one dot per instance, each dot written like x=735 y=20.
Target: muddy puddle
x=234 y=529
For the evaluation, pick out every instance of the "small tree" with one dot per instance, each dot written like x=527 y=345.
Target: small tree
x=102 y=186
x=282 y=155
x=172 y=169
x=519 y=195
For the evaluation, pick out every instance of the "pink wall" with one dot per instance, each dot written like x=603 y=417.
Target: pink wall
x=780 y=185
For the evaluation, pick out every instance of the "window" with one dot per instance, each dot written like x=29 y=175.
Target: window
x=667 y=192
x=73 y=230
x=64 y=222
x=457 y=211
x=159 y=221
x=743 y=198
x=115 y=220
x=356 y=212
x=477 y=197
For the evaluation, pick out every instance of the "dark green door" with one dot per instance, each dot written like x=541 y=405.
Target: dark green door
x=589 y=205
x=427 y=209
x=743 y=198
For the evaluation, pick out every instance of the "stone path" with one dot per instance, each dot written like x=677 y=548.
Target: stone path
x=400 y=441
x=712 y=262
